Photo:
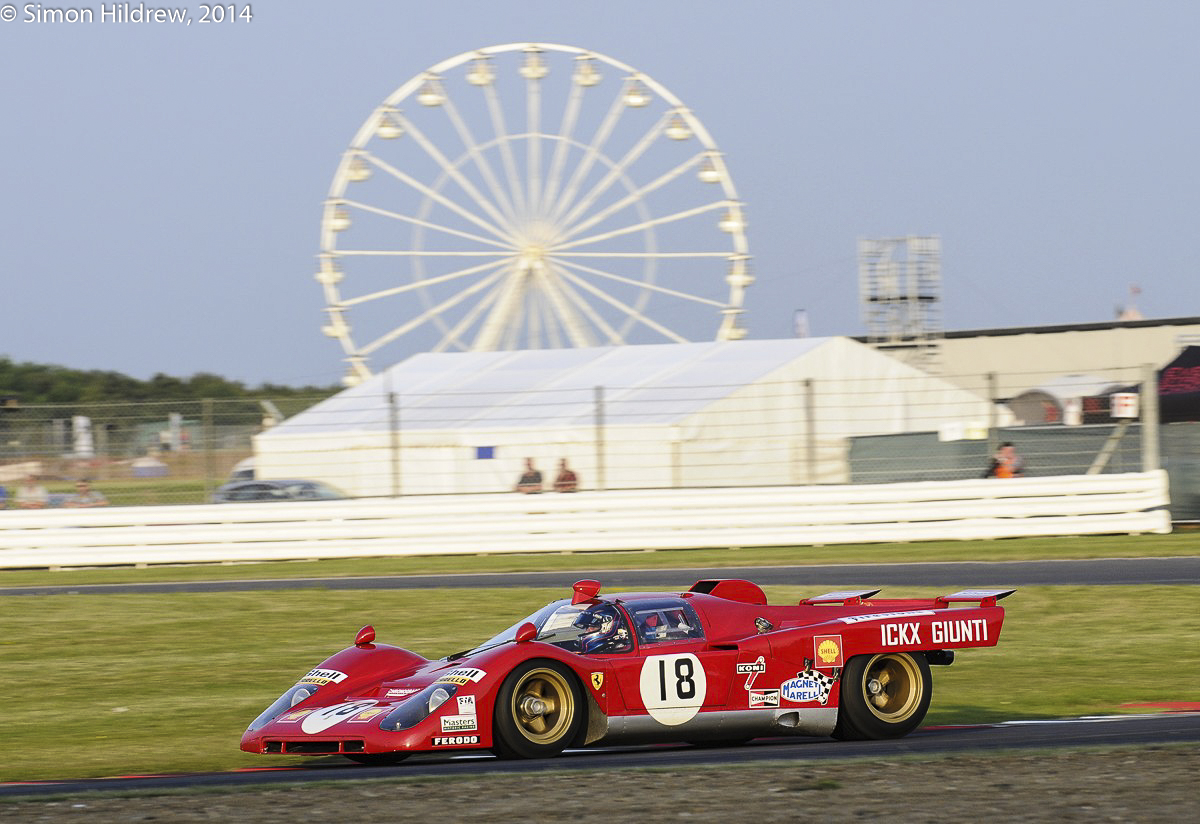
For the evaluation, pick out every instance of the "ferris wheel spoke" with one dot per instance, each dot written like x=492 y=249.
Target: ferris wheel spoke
x=570 y=116
x=641 y=283
x=438 y=197
x=552 y=332
x=640 y=255
x=431 y=313
x=452 y=171
x=624 y=307
x=533 y=144
x=633 y=197
x=646 y=224
x=424 y=283
x=614 y=337
x=480 y=161
x=454 y=335
x=417 y=253
x=501 y=131
x=574 y=326
x=503 y=313
x=616 y=171
x=590 y=155
x=437 y=227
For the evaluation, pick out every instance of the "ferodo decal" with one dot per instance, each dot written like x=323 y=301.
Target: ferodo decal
x=883 y=616
x=763 y=698
x=752 y=670
x=459 y=723
x=323 y=676
x=597 y=680
x=806 y=687
x=454 y=740
x=828 y=649
x=672 y=687
x=462 y=675
x=323 y=719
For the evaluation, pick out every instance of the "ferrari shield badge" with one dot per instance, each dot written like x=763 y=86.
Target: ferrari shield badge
x=597 y=680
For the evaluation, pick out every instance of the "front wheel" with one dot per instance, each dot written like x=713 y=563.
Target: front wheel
x=539 y=711
x=883 y=696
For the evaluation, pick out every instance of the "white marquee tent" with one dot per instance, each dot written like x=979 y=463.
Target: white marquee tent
x=697 y=414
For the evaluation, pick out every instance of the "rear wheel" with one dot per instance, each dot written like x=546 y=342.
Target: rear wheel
x=378 y=759
x=539 y=711
x=883 y=696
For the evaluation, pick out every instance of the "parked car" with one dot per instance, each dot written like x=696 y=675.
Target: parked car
x=714 y=664
x=239 y=491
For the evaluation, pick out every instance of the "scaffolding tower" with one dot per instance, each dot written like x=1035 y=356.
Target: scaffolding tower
x=900 y=288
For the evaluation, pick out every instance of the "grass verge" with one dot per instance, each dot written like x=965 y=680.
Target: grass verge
x=105 y=685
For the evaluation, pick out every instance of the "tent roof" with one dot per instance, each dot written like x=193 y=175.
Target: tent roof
x=646 y=384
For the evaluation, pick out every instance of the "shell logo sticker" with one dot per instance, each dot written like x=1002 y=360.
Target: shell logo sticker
x=597 y=680
x=829 y=650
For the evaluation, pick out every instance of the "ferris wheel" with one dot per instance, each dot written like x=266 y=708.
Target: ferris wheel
x=527 y=196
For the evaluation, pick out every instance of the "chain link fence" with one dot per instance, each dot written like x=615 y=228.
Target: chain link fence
x=824 y=430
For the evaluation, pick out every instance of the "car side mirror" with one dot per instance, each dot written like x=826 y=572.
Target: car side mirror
x=526 y=632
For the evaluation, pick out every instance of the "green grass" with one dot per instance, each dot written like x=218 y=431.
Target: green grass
x=104 y=685
x=1016 y=549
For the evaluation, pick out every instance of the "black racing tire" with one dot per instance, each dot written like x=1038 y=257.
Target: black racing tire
x=539 y=711
x=883 y=696
x=377 y=759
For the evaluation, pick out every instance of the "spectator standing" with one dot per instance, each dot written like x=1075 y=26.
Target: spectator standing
x=31 y=495
x=85 y=497
x=566 y=480
x=530 y=482
x=1006 y=463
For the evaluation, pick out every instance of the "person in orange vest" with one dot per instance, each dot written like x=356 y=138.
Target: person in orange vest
x=1006 y=463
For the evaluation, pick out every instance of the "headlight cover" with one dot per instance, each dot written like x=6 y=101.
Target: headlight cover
x=282 y=704
x=416 y=708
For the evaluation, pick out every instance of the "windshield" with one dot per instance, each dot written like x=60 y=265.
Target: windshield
x=576 y=627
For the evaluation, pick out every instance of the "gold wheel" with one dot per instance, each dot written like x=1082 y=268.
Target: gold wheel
x=892 y=686
x=543 y=706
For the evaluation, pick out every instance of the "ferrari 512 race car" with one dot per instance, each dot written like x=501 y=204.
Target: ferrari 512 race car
x=715 y=664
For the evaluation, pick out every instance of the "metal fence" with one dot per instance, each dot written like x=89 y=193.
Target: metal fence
x=821 y=430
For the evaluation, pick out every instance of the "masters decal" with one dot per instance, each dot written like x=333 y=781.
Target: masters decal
x=459 y=723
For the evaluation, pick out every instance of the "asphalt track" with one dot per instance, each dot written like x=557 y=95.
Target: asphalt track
x=958 y=575
x=1107 y=731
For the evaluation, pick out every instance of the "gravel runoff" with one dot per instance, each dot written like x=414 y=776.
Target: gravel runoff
x=1127 y=784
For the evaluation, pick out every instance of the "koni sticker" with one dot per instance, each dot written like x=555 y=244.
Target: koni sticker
x=752 y=670
x=806 y=687
x=323 y=676
x=462 y=675
x=829 y=650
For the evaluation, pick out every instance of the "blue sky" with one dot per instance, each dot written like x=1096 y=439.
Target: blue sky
x=163 y=185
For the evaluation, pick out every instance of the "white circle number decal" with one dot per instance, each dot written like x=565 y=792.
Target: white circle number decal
x=673 y=687
x=322 y=720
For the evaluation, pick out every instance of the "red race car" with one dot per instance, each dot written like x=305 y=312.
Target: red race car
x=715 y=664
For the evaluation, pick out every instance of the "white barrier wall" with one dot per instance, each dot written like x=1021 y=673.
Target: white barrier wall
x=588 y=521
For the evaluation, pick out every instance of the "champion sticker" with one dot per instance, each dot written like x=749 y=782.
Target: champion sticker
x=323 y=676
x=764 y=698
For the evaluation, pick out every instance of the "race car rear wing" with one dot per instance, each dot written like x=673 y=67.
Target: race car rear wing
x=983 y=597
x=846 y=597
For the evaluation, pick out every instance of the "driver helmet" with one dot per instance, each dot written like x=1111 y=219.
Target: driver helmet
x=599 y=625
